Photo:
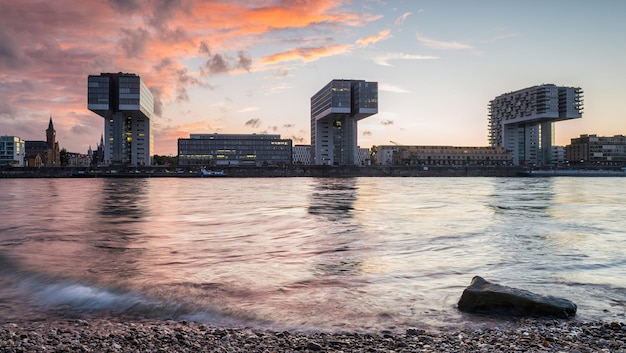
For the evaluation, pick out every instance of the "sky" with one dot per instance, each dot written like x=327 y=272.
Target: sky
x=230 y=66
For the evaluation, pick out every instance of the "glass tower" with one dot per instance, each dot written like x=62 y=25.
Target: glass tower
x=335 y=110
x=127 y=106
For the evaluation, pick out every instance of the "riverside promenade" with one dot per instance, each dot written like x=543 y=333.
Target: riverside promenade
x=317 y=171
x=262 y=172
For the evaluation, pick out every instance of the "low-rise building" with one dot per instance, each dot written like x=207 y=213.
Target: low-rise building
x=12 y=151
x=234 y=150
x=362 y=156
x=443 y=155
x=302 y=154
x=596 y=150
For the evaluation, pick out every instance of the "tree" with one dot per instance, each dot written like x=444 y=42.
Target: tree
x=65 y=157
x=164 y=160
x=373 y=152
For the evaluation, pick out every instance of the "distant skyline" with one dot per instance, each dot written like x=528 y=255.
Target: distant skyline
x=252 y=66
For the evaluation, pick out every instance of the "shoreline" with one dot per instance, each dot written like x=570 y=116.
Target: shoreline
x=309 y=171
x=115 y=335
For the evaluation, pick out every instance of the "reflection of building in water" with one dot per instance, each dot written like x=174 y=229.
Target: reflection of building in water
x=335 y=110
x=333 y=198
x=124 y=198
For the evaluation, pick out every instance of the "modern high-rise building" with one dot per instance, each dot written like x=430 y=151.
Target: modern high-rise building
x=335 y=110
x=523 y=121
x=127 y=106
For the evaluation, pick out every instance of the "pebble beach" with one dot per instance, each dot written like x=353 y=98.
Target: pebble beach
x=106 y=335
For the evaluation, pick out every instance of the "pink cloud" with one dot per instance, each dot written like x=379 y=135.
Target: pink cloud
x=48 y=48
x=306 y=54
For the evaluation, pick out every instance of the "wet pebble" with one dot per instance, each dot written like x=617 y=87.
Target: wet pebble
x=154 y=336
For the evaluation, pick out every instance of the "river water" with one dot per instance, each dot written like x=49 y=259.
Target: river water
x=353 y=254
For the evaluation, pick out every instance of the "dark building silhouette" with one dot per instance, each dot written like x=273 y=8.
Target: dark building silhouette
x=43 y=153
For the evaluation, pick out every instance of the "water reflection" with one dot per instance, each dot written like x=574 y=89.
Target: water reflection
x=527 y=198
x=333 y=198
x=124 y=198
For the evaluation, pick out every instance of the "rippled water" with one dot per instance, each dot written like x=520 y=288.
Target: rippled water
x=306 y=253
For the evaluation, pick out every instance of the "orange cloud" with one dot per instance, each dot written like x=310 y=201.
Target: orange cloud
x=382 y=35
x=306 y=54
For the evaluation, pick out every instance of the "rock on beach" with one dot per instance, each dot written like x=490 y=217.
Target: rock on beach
x=482 y=296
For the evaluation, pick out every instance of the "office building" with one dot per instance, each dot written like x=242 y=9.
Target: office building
x=523 y=121
x=302 y=154
x=362 y=156
x=12 y=151
x=596 y=150
x=234 y=150
x=127 y=106
x=335 y=111
x=442 y=156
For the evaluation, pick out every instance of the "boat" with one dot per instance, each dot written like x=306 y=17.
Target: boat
x=211 y=173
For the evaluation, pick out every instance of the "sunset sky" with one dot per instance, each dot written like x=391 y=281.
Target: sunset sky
x=231 y=66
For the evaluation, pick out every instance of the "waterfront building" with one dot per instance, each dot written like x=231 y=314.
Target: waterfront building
x=335 y=111
x=597 y=150
x=442 y=155
x=234 y=150
x=383 y=154
x=302 y=154
x=523 y=121
x=362 y=156
x=43 y=153
x=75 y=159
x=558 y=155
x=127 y=106
x=12 y=151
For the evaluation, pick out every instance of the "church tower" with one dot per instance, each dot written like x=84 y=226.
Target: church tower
x=54 y=153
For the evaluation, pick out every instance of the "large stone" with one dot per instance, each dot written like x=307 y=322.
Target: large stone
x=484 y=297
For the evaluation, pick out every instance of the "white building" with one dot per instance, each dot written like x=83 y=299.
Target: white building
x=362 y=156
x=384 y=154
x=12 y=151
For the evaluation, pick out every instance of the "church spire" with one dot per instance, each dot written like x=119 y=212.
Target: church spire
x=50 y=125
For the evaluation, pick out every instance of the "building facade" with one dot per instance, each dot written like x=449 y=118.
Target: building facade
x=523 y=121
x=597 y=150
x=362 y=156
x=12 y=151
x=127 y=106
x=43 y=153
x=442 y=156
x=301 y=154
x=335 y=111
x=234 y=150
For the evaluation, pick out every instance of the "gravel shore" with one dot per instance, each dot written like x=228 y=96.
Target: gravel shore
x=99 y=335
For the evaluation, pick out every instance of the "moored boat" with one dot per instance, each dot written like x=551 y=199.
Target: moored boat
x=211 y=173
